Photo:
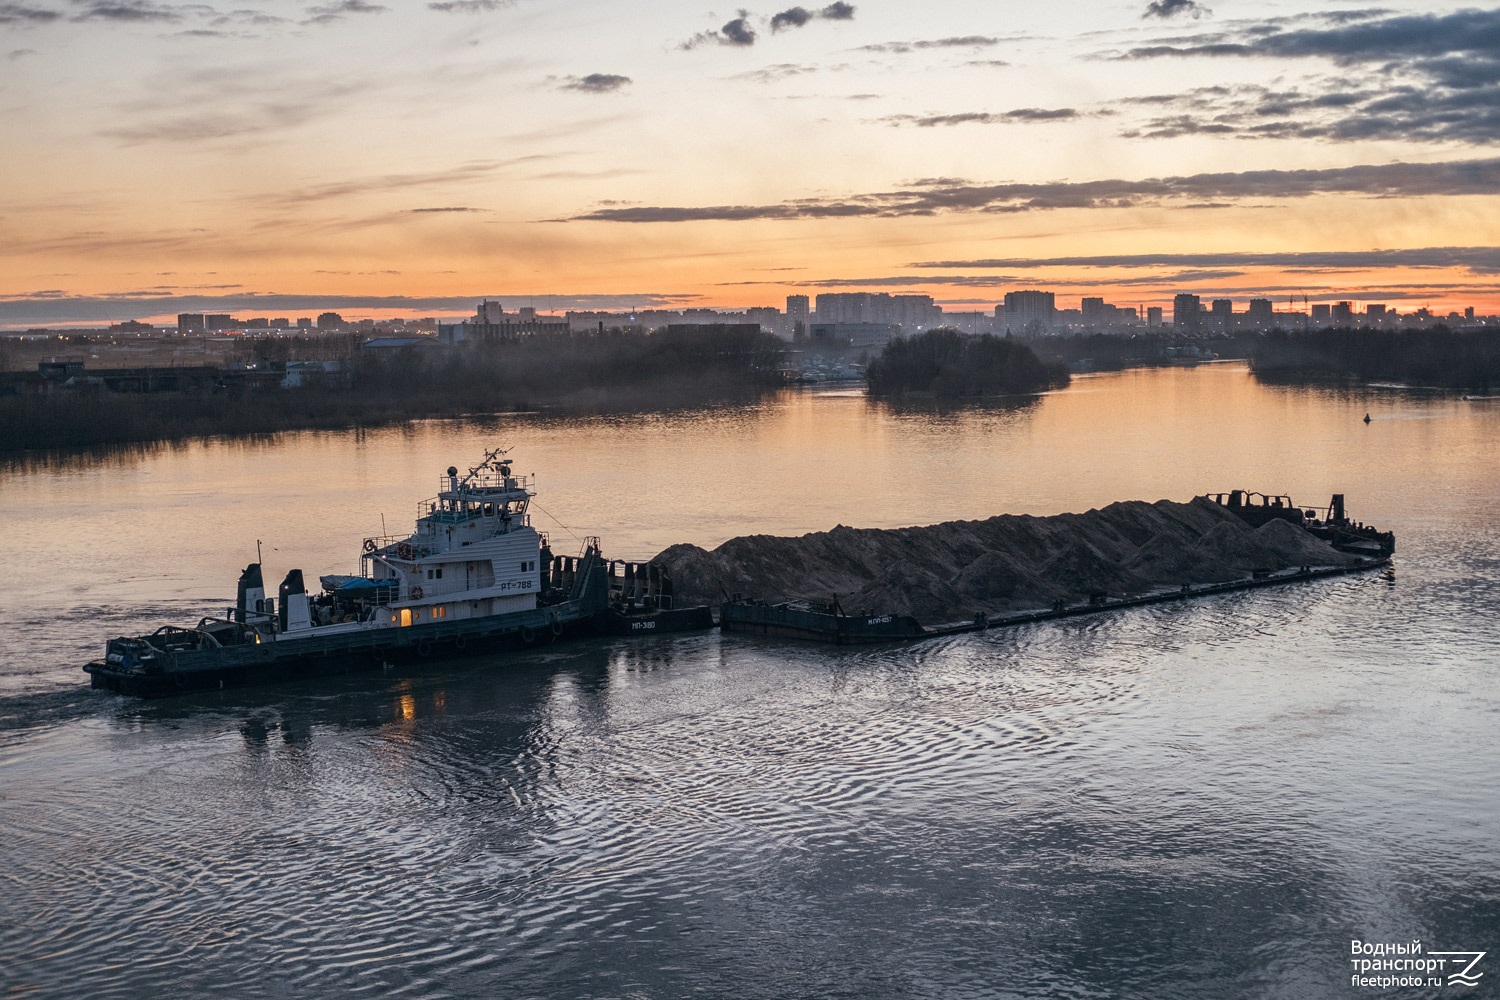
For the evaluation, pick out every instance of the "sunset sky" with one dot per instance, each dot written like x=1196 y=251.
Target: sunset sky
x=408 y=158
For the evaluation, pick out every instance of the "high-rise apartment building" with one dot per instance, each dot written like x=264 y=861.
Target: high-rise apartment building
x=1187 y=312
x=910 y=312
x=1028 y=310
x=1260 y=314
x=1095 y=312
x=1222 y=311
x=798 y=316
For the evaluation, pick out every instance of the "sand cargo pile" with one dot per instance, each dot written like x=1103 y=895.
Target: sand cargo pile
x=1003 y=564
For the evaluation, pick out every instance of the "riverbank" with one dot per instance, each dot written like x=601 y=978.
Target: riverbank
x=1439 y=358
x=581 y=374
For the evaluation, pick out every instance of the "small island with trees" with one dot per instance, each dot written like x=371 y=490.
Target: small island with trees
x=949 y=364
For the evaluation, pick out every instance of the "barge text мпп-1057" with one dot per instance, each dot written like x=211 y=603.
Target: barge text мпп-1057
x=474 y=571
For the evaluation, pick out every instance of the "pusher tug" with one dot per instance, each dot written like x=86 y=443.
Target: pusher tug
x=473 y=573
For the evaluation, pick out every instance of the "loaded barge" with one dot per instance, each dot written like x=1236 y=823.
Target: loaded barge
x=829 y=622
x=474 y=573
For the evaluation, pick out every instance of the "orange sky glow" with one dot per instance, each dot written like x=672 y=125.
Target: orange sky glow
x=405 y=161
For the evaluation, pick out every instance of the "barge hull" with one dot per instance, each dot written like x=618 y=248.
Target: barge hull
x=692 y=619
x=796 y=623
x=820 y=626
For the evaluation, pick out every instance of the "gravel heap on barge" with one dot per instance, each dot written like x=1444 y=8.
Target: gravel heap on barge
x=1018 y=563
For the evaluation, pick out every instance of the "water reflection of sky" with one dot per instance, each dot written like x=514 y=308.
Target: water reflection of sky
x=1206 y=799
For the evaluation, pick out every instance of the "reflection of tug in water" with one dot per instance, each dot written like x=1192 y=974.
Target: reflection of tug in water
x=474 y=572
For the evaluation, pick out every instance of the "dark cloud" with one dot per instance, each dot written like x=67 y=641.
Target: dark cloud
x=738 y=32
x=1016 y=117
x=1173 y=8
x=470 y=6
x=910 y=281
x=441 y=209
x=249 y=17
x=595 y=83
x=127 y=11
x=796 y=17
x=1404 y=77
x=1476 y=260
x=1331 y=110
x=15 y=13
x=792 y=17
x=741 y=32
x=959 y=42
x=1391 y=180
x=1367 y=39
x=324 y=13
x=15 y=54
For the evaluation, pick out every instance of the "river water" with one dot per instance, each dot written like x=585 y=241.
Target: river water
x=1207 y=799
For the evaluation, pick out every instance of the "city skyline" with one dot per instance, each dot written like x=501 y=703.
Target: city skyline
x=400 y=161
x=1021 y=311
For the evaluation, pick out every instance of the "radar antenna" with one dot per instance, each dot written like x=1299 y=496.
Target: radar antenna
x=493 y=458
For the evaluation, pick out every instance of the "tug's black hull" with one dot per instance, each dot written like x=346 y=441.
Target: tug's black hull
x=304 y=656
x=218 y=676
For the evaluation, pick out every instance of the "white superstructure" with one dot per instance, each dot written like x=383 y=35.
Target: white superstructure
x=473 y=554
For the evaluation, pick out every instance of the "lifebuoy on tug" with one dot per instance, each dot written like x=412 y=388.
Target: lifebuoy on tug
x=370 y=545
x=416 y=593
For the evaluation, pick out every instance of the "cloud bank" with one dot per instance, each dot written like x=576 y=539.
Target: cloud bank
x=1405 y=77
x=1475 y=260
x=944 y=195
x=595 y=83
